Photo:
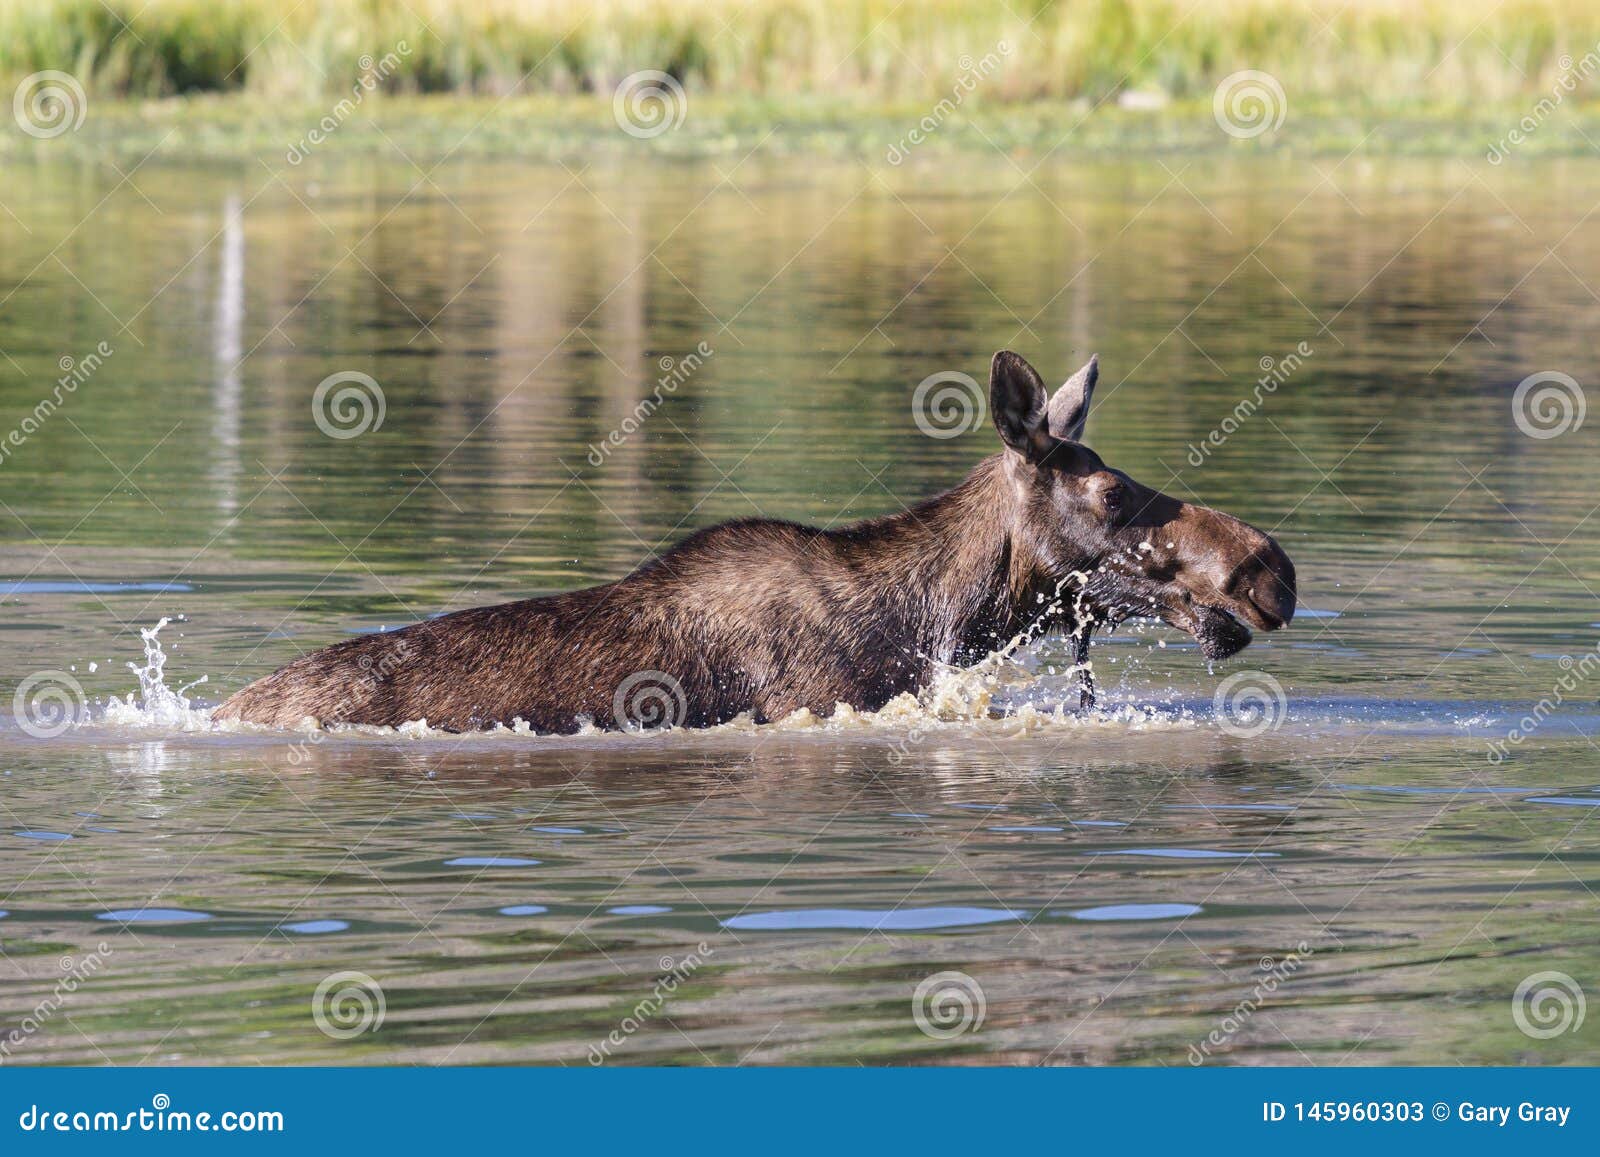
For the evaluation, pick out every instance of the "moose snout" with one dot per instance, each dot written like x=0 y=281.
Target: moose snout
x=1232 y=566
x=1265 y=584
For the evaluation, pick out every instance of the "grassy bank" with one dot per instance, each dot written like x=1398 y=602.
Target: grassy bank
x=1440 y=53
x=539 y=77
x=578 y=128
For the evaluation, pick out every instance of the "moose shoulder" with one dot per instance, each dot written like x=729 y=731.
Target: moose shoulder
x=767 y=617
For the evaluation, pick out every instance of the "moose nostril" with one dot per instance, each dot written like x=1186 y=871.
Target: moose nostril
x=1273 y=589
x=1265 y=582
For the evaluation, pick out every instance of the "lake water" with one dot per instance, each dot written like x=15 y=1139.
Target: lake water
x=1357 y=882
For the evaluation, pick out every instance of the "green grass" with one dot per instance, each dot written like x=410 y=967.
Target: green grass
x=1440 y=52
x=536 y=77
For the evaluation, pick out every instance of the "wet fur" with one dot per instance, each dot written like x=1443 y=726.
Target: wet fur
x=755 y=616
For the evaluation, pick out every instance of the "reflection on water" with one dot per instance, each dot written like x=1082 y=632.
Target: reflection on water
x=889 y=920
x=1114 y=886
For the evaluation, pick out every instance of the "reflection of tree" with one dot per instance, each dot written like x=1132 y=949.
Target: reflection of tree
x=515 y=315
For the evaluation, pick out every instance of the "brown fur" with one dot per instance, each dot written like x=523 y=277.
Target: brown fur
x=768 y=617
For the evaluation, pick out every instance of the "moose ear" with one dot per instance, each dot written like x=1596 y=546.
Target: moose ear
x=1069 y=408
x=1017 y=401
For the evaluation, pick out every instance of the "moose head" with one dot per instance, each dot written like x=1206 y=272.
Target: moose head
x=1139 y=552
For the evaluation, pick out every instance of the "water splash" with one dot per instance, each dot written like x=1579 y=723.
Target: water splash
x=1006 y=689
x=966 y=694
x=156 y=705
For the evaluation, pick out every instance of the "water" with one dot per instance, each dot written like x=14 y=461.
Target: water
x=1112 y=889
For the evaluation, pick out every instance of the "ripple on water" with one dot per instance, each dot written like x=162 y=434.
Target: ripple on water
x=1567 y=800
x=37 y=835
x=1136 y=912
x=1183 y=853
x=315 y=927
x=638 y=910
x=1407 y=789
x=88 y=588
x=554 y=831
x=1229 y=807
x=154 y=916
x=489 y=862
x=868 y=919
x=523 y=910
x=1025 y=828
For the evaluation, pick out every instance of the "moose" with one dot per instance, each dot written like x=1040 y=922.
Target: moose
x=764 y=617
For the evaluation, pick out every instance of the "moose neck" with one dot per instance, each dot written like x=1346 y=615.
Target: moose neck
x=959 y=573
